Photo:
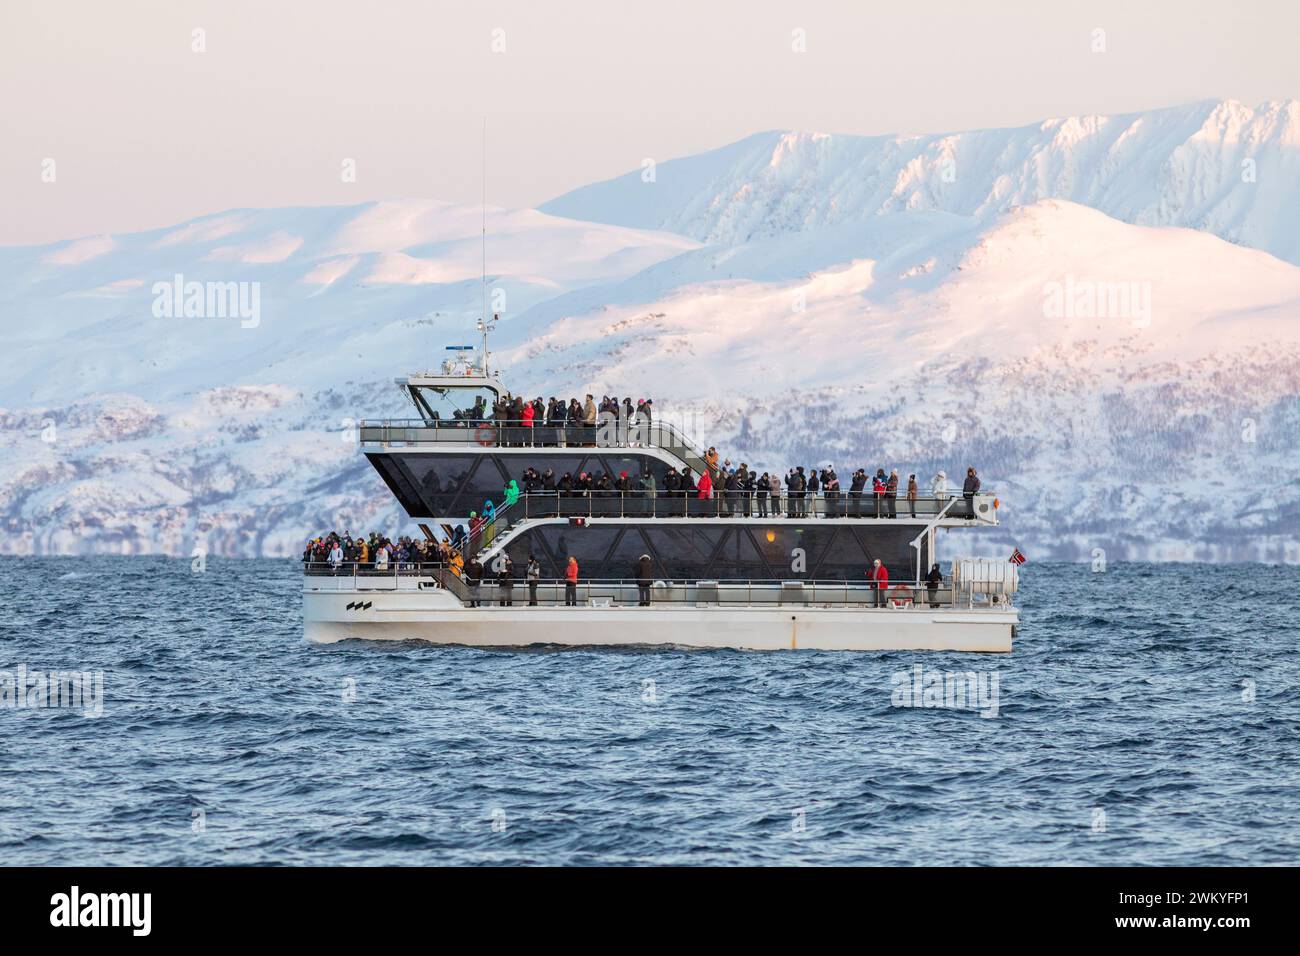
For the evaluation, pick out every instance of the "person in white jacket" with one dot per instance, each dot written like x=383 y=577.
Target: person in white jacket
x=336 y=556
x=939 y=486
x=381 y=558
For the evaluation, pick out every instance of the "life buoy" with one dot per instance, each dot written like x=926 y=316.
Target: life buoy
x=485 y=435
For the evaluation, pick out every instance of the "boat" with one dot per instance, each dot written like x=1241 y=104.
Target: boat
x=798 y=576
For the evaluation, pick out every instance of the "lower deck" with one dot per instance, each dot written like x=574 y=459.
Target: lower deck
x=702 y=614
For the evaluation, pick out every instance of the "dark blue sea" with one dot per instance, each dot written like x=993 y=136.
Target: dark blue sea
x=1149 y=714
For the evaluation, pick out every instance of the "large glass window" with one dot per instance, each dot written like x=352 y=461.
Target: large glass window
x=451 y=403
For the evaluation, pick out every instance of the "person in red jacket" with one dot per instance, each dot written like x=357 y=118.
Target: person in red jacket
x=879 y=575
x=704 y=487
x=571 y=583
x=526 y=416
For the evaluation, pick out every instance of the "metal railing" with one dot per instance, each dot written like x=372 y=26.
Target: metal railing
x=631 y=592
x=490 y=433
x=598 y=503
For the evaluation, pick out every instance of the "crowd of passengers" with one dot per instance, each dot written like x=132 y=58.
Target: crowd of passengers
x=740 y=490
x=553 y=419
x=379 y=553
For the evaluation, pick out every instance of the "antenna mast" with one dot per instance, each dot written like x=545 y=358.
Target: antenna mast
x=483 y=323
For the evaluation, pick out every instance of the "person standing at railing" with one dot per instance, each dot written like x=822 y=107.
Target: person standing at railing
x=526 y=415
x=728 y=491
x=687 y=489
x=969 y=489
x=506 y=580
x=571 y=582
x=939 y=488
x=336 y=556
x=555 y=418
x=761 y=488
x=474 y=578
x=891 y=493
x=932 y=582
x=647 y=484
x=489 y=522
x=774 y=488
x=747 y=484
x=644 y=421
x=879 y=581
x=704 y=489
x=911 y=495
x=797 y=486
x=532 y=574
x=644 y=574
x=813 y=487
x=878 y=491
x=589 y=413
x=856 y=486
x=672 y=484
x=831 y=489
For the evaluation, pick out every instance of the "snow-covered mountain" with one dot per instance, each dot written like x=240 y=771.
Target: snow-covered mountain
x=1222 y=167
x=1127 y=385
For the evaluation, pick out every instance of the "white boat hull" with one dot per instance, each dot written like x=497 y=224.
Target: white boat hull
x=436 y=617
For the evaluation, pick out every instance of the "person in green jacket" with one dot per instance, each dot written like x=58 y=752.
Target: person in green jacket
x=512 y=493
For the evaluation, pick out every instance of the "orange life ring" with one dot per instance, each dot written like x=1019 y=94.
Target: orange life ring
x=485 y=435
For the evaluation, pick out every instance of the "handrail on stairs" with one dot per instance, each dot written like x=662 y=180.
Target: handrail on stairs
x=933 y=523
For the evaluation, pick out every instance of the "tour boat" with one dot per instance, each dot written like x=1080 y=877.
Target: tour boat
x=723 y=576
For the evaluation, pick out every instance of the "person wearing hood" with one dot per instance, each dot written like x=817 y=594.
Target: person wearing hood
x=506 y=581
x=704 y=488
x=969 y=489
x=672 y=483
x=932 y=582
x=879 y=575
x=489 y=522
x=774 y=489
x=891 y=493
x=458 y=537
x=939 y=488
x=512 y=492
x=336 y=556
x=644 y=574
x=687 y=490
x=526 y=416
x=559 y=411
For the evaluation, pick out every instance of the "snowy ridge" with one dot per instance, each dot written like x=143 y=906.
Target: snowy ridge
x=1223 y=167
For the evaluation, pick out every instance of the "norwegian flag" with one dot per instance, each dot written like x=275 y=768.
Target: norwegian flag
x=1016 y=557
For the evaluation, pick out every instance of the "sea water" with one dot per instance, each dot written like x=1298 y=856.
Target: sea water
x=1149 y=714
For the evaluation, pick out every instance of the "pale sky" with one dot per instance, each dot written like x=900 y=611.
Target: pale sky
x=145 y=131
